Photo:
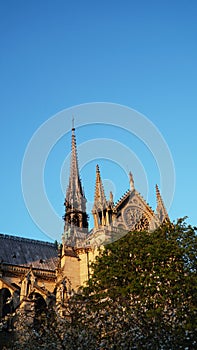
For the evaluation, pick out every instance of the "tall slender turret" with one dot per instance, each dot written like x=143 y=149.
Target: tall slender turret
x=102 y=208
x=161 y=211
x=99 y=195
x=76 y=219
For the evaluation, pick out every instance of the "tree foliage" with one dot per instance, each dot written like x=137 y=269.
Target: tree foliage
x=151 y=278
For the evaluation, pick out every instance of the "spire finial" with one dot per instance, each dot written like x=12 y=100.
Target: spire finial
x=73 y=122
x=111 y=197
x=157 y=192
x=97 y=168
x=131 y=181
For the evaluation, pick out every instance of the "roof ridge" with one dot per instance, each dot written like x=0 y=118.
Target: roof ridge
x=121 y=199
x=145 y=201
x=22 y=239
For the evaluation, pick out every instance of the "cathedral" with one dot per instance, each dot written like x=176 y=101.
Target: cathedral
x=49 y=273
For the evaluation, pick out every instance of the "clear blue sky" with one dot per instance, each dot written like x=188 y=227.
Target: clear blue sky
x=57 y=54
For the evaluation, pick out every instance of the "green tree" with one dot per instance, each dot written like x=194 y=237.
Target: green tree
x=144 y=288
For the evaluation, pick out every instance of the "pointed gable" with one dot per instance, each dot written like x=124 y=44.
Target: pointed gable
x=133 y=212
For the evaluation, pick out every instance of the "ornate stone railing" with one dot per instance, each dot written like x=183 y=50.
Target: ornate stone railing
x=24 y=269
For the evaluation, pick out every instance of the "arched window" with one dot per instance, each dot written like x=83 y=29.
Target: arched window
x=40 y=308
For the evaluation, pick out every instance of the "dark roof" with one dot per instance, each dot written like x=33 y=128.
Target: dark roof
x=28 y=252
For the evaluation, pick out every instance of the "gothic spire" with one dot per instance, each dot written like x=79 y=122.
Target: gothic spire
x=75 y=201
x=99 y=196
x=160 y=210
x=74 y=189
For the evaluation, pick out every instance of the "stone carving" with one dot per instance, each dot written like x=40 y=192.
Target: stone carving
x=135 y=219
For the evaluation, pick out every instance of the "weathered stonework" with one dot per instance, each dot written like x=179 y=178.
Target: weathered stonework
x=32 y=269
